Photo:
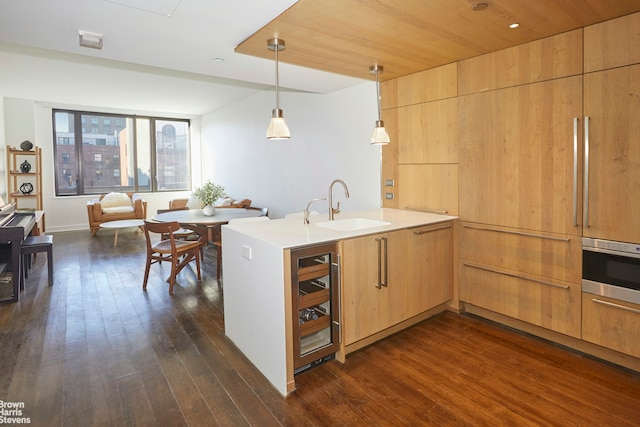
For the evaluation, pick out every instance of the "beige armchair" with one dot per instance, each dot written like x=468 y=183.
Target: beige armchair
x=115 y=207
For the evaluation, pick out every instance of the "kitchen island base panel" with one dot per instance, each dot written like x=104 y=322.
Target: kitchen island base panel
x=587 y=348
x=341 y=356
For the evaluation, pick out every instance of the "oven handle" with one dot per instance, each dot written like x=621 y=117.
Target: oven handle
x=610 y=304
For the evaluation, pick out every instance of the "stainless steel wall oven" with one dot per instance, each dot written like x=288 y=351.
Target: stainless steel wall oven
x=611 y=269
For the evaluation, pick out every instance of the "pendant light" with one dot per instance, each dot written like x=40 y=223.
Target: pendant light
x=277 y=127
x=380 y=135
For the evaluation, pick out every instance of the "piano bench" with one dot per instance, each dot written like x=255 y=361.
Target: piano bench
x=32 y=245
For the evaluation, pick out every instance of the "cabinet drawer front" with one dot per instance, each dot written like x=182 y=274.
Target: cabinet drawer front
x=611 y=323
x=551 y=305
x=552 y=256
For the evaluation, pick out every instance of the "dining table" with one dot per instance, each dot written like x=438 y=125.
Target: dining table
x=196 y=220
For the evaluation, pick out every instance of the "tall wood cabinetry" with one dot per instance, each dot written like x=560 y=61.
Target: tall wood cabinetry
x=420 y=166
x=612 y=168
x=519 y=190
x=548 y=145
x=392 y=277
x=612 y=108
x=25 y=177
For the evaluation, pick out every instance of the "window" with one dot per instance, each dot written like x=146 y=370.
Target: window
x=119 y=153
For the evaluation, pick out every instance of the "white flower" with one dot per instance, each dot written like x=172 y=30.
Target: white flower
x=209 y=192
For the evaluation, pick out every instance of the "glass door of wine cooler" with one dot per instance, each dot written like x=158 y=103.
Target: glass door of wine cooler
x=315 y=305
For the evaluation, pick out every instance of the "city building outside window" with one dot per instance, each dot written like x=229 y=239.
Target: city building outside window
x=126 y=153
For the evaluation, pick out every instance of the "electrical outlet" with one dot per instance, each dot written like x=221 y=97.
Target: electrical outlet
x=246 y=251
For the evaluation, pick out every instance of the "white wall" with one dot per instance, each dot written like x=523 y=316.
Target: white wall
x=330 y=132
x=329 y=139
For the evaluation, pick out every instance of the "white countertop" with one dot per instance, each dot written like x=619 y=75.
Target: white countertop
x=292 y=232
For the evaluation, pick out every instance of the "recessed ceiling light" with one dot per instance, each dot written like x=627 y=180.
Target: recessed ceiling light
x=479 y=6
x=218 y=60
x=514 y=25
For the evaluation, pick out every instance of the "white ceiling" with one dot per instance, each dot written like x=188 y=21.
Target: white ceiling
x=182 y=35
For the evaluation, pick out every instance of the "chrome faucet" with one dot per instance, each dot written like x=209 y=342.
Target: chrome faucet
x=333 y=211
x=306 y=210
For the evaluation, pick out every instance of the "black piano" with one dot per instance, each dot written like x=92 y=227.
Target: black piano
x=14 y=227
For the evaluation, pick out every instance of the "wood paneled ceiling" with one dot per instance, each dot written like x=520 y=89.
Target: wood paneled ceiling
x=407 y=36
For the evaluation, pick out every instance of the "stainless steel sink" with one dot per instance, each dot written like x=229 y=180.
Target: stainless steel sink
x=351 y=224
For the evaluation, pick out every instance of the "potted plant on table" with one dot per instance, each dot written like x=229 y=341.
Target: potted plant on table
x=209 y=193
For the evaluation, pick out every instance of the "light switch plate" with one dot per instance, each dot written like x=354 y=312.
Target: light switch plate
x=246 y=252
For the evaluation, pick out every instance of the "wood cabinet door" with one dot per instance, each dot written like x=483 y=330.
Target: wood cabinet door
x=374 y=284
x=429 y=188
x=361 y=294
x=396 y=290
x=517 y=156
x=428 y=132
x=612 y=200
x=430 y=272
x=612 y=43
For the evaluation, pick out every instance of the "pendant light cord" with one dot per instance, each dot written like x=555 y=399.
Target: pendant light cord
x=277 y=81
x=378 y=91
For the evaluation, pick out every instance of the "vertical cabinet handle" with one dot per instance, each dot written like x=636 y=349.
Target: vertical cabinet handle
x=382 y=259
x=335 y=309
x=586 y=172
x=386 y=263
x=379 y=284
x=575 y=171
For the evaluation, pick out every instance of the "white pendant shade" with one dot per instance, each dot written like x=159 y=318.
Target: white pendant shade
x=278 y=129
x=380 y=136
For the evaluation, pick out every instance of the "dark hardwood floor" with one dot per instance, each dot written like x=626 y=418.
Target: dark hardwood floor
x=96 y=350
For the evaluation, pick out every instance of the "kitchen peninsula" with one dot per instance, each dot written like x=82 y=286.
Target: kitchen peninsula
x=392 y=268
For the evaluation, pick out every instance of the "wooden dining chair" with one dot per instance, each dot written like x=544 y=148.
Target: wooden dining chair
x=177 y=252
x=187 y=233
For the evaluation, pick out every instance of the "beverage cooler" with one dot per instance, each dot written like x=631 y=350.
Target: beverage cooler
x=315 y=305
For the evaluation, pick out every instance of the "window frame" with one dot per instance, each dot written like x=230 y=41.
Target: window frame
x=85 y=127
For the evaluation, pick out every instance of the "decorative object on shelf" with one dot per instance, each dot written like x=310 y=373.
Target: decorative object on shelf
x=277 y=127
x=209 y=193
x=380 y=135
x=25 y=167
x=20 y=171
x=26 y=188
x=26 y=145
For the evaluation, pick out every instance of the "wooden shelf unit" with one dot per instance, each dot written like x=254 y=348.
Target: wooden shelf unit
x=16 y=178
